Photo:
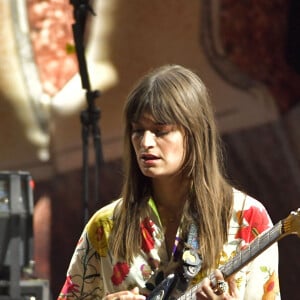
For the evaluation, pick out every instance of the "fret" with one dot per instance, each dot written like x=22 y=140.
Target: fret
x=256 y=247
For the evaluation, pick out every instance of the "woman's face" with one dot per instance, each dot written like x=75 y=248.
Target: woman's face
x=159 y=148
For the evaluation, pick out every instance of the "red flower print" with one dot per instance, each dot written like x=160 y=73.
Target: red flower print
x=99 y=233
x=69 y=287
x=147 y=230
x=120 y=271
x=257 y=222
x=80 y=241
x=271 y=287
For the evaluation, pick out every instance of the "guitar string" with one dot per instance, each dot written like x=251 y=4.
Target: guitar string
x=266 y=239
x=253 y=249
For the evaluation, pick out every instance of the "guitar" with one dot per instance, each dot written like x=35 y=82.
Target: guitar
x=172 y=286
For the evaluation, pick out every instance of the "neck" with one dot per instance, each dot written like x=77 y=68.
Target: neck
x=170 y=197
x=170 y=193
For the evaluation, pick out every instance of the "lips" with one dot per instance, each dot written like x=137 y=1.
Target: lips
x=147 y=157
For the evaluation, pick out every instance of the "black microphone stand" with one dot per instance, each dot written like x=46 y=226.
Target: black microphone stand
x=91 y=115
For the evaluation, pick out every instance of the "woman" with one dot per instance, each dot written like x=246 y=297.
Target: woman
x=176 y=209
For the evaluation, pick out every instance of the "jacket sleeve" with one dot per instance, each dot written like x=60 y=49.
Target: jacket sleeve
x=262 y=281
x=83 y=280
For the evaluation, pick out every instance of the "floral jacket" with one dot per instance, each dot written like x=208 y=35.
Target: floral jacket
x=93 y=272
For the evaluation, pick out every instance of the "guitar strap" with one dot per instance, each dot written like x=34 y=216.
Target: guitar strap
x=192 y=239
x=191 y=265
x=191 y=259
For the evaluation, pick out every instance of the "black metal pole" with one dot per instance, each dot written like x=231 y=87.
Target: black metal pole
x=89 y=118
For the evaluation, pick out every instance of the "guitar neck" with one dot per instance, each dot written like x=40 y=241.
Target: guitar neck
x=289 y=225
x=243 y=257
x=256 y=247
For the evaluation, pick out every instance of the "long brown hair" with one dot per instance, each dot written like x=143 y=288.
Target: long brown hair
x=173 y=94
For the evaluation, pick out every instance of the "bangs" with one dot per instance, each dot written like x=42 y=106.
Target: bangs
x=158 y=102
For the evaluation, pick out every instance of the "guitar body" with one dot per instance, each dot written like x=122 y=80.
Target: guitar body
x=173 y=288
x=162 y=291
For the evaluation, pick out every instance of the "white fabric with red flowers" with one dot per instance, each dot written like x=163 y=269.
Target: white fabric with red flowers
x=93 y=272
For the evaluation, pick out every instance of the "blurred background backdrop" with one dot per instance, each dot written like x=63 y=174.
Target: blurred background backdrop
x=247 y=53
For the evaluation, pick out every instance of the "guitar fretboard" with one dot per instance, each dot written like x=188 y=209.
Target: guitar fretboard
x=257 y=246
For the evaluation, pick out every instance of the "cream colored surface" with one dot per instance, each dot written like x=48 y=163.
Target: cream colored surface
x=21 y=138
x=127 y=39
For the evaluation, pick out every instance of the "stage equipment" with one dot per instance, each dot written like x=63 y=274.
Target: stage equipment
x=16 y=237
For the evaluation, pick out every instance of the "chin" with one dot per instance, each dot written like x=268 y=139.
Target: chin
x=149 y=174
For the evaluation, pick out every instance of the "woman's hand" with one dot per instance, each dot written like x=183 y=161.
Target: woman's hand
x=126 y=295
x=206 y=291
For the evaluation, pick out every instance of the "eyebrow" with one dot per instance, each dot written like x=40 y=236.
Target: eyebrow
x=153 y=122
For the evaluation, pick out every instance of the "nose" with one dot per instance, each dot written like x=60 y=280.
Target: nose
x=148 y=139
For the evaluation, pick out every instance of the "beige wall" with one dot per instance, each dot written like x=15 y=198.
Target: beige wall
x=126 y=40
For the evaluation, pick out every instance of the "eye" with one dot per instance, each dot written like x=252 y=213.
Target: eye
x=162 y=130
x=137 y=131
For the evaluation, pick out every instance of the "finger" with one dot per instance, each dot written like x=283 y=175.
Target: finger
x=218 y=274
x=205 y=291
x=221 y=285
x=200 y=295
x=126 y=295
x=135 y=290
x=233 y=287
